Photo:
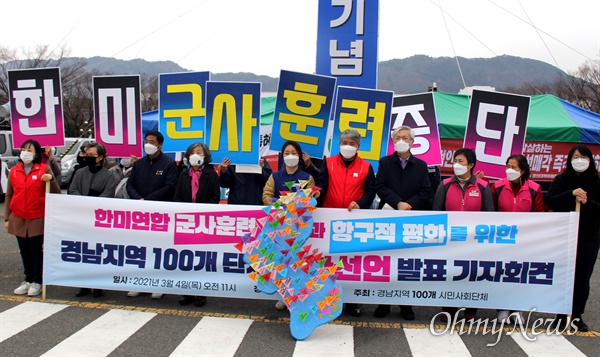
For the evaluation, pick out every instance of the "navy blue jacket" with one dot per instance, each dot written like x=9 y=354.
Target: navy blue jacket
x=245 y=188
x=411 y=184
x=153 y=179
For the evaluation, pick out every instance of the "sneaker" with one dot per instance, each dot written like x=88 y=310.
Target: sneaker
x=133 y=294
x=34 y=289
x=353 y=309
x=156 y=296
x=280 y=306
x=382 y=311
x=503 y=316
x=22 y=289
x=581 y=326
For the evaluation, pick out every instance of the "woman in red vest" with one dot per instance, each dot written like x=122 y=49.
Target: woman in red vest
x=516 y=193
x=24 y=212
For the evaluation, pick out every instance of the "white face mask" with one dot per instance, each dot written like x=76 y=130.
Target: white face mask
x=348 y=151
x=460 y=169
x=196 y=160
x=26 y=157
x=401 y=147
x=291 y=160
x=126 y=163
x=512 y=175
x=579 y=165
x=150 y=149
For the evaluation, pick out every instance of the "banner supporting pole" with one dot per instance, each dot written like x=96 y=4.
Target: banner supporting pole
x=44 y=285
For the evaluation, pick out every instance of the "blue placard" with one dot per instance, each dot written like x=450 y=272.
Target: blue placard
x=302 y=111
x=368 y=111
x=233 y=121
x=347 y=41
x=182 y=109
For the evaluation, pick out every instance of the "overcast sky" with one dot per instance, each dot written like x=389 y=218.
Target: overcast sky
x=265 y=36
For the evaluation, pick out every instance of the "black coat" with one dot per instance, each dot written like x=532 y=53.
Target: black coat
x=208 y=192
x=411 y=184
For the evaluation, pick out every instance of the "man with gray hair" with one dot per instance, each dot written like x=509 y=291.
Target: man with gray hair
x=347 y=181
x=403 y=184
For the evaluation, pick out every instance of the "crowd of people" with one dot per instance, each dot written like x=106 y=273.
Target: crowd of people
x=402 y=182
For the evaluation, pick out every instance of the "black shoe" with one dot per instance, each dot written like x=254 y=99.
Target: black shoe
x=382 y=311
x=407 y=313
x=581 y=326
x=560 y=322
x=83 y=292
x=200 y=301
x=97 y=293
x=186 y=300
x=353 y=309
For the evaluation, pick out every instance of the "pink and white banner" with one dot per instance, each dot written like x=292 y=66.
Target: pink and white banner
x=471 y=259
x=36 y=106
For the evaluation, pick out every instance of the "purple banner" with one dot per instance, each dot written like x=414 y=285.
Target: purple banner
x=496 y=129
x=118 y=115
x=36 y=106
x=418 y=112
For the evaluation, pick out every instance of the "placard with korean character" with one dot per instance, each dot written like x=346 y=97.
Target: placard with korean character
x=181 y=109
x=36 y=110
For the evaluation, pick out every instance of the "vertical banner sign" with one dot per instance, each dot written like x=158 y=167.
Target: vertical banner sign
x=496 y=129
x=302 y=111
x=233 y=121
x=418 y=112
x=118 y=115
x=367 y=111
x=347 y=41
x=182 y=111
x=36 y=106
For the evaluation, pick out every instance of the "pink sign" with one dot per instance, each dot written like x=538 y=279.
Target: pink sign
x=36 y=106
x=496 y=129
x=418 y=112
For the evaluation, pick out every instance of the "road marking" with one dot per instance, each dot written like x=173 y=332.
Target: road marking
x=25 y=315
x=423 y=343
x=327 y=340
x=103 y=335
x=546 y=345
x=214 y=337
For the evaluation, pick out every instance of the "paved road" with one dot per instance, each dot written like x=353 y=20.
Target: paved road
x=119 y=326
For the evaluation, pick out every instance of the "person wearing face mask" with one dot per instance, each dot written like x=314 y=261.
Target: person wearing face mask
x=292 y=152
x=463 y=192
x=244 y=188
x=121 y=173
x=516 y=193
x=152 y=177
x=198 y=183
x=579 y=182
x=24 y=212
x=402 y=182
x=93 y=180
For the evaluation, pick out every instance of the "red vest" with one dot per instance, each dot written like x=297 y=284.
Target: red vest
x=523 y=202
x=346 y=184
x=470 y=200
x=29 y=191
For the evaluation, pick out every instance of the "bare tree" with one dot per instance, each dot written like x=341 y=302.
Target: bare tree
x=149 y=92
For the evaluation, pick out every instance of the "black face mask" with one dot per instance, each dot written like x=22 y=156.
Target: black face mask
x=81 y=161
x=90 y=161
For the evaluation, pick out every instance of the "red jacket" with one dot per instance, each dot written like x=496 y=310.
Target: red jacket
x=527 y=199
x=29 y=191
x=345 y=184
x=470 y=200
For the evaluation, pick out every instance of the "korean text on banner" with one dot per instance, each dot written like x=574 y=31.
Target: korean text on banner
x=496 y=129
x=418 y=112
x=118 y=115
x=36 y=106
x=347 y=41
x=302 y=111
x=471 y=259
x=368 y=112
x=182 y=110
x=233 y=121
